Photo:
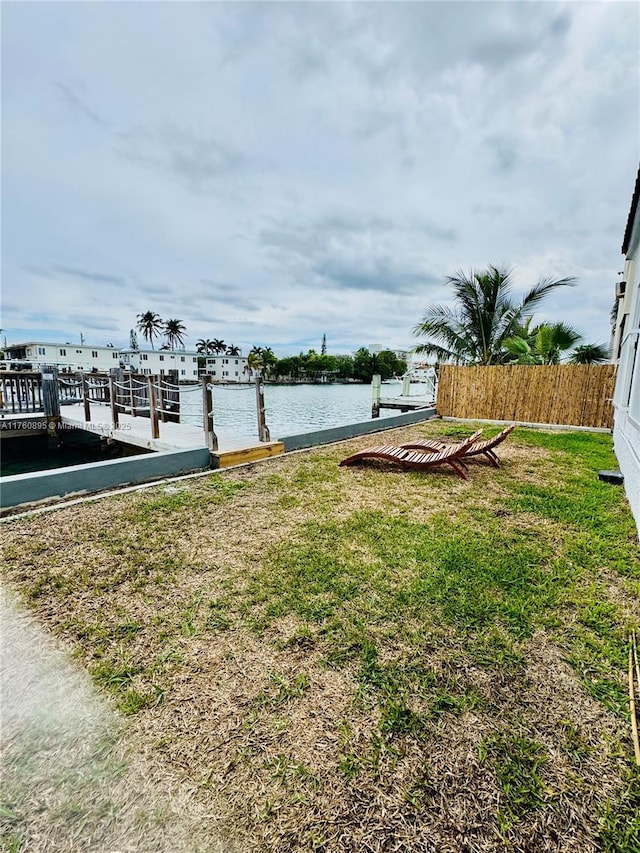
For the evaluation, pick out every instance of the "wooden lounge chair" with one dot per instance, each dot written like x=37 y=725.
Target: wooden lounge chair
x=417 y=459
x=478 y=447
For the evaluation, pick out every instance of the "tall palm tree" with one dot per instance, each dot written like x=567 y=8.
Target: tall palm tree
x=218 y=346
x=151 y=325
x=233 y=350
x=174 y=332
x=483 y=317
x=204 y=346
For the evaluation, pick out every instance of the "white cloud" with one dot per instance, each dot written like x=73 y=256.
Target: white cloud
x=269 y=172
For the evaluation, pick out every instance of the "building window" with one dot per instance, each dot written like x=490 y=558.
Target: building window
x=144 y=356
x=161 y=358
x=225 y=361
x=94 y=353
x=114 y=355
x=78 y=352
x=181 y=358
x=41 y=351
x=194 y=360
x=183 y=372
x=237 y=362
x=161 y=370
x=63 y=352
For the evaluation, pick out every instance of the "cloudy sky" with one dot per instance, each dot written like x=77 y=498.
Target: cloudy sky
x=269 y=172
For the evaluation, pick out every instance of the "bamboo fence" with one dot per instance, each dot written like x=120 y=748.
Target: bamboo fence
x=568 y=394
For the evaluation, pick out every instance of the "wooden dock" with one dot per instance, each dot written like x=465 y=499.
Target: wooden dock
x=406 y=402
x=139 y=411
x=136 y=431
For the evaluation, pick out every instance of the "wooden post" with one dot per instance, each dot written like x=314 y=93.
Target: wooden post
x=207 y=412
x=132 y=397
x=85 y=397
x=263 y=429
x=113 y=398
x=51 y=403
x=375 y=395
x=163 y=402
x=153 y=411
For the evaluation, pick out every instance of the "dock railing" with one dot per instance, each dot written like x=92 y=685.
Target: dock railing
x=156 y=398
x=21 y=392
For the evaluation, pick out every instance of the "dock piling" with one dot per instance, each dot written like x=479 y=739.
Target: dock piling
x=153 y=408
x=85 y=398
x=207 y=411
x=113 y=401
x=376 y=383
x=263 y=429
x=51 y=403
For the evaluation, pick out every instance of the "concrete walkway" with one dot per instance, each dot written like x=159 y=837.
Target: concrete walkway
x=67 y=785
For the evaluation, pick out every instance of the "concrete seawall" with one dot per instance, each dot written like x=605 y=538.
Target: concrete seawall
x=341 y=433
x=77 y=480
x=95 y=476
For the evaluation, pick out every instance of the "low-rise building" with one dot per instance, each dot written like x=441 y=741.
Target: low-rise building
x=228 y=368
x=64 y=356
x=182 y=364
x=71 y=357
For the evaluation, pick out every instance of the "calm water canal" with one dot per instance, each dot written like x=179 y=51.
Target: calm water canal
x=290 y=409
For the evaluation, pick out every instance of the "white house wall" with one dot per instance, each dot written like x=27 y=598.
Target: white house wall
x=626 y=431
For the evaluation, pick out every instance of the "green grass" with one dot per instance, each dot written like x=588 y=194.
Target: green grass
x=518 y=762
x=425 y=601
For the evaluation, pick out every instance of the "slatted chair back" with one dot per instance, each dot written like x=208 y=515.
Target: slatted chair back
x=416 y=459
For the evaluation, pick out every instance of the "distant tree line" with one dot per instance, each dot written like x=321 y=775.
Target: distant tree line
x=310 y=366
x=314 y=367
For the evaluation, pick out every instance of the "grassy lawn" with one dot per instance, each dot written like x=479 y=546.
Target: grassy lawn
x=364 y=659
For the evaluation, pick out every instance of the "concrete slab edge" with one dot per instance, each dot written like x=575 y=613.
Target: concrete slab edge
x=18 y=489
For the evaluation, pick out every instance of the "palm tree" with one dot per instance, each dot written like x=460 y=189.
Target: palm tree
x=218 y=346
x=233 y=350
x=204 y=346
x=254 y=362
x=590 y=354
x=174 y=332
x=151 y=325
x=483 y=317
x=546 y=344
x=269 y=360
x=542 y=344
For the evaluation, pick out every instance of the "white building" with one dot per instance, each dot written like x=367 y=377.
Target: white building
x=626 y=399
x=182 y=364
x=71 y=357
x=64 y=356
x=228 y=368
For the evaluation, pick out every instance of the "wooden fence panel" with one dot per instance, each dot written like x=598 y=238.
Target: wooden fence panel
x=568 y=394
